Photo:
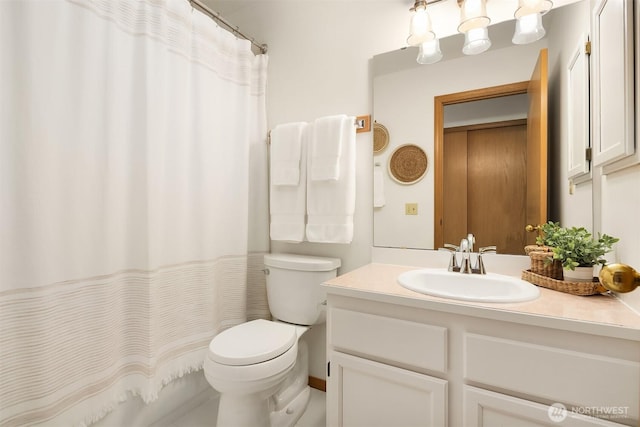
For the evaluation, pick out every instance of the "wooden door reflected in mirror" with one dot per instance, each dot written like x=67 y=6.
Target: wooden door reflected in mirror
x=485 y=183
x=494 y=175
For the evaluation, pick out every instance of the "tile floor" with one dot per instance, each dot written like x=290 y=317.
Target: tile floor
x=203 y=413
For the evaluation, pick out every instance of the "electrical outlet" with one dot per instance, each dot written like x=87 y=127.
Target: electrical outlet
x=411 y=209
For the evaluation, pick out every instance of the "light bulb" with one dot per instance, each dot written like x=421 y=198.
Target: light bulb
x=420 y=28
x=429 y=52
x=528 y=29
x=476 y=41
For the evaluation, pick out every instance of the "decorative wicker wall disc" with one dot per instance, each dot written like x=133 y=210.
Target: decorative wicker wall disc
x=380 y=138
x=408 y=164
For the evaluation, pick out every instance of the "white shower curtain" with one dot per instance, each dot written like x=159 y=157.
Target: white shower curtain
x=127 y=128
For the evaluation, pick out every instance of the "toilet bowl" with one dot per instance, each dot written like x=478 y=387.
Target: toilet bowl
x=248 y=365
x=261 y=367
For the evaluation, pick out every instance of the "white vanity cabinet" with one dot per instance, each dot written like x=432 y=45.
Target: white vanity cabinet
x=377 y=371
x=393 y=362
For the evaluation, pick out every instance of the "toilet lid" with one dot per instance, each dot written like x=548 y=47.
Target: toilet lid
x=252 y=342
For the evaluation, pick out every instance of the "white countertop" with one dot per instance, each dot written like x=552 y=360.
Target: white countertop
x=596 y=314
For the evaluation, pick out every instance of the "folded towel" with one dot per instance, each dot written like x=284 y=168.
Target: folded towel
x=331 y=203
x=286 y=143
x=287 y=203
x=378 y=187
x=326 y=147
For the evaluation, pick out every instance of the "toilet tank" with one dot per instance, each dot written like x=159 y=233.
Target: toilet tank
x=293 y=286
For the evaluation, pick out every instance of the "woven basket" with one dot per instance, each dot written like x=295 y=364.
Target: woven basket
x=574 y=288
x=540 y=264
x=408 y=164
x=380 y=138
x=536 y=248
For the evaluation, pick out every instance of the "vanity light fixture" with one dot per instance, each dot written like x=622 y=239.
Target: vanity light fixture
x=474 y=22
x=529 y=20
x=420 y=26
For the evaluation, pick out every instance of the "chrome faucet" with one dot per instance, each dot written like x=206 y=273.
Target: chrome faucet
x=466 y=249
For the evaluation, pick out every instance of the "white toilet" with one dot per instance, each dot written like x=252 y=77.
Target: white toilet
x=261 y=367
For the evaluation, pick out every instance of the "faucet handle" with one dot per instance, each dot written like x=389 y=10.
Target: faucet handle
x=487 y=249
x=453 y=262
x=479 y=263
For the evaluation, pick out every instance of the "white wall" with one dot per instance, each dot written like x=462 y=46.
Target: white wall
x=620 y=208
x=319 y=61
x=619 y=199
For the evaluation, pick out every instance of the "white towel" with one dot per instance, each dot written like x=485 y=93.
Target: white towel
x=326 y=147
x=287 y=203
x=286 y=143
x=378 y=187
x=331 y=203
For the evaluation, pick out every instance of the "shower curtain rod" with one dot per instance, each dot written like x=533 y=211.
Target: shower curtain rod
x=216 y=17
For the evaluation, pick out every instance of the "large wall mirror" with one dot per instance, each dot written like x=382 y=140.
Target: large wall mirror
x=406 y=96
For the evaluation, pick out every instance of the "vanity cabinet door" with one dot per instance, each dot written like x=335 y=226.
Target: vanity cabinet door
x=483 y=408
x=369 y=394
x=613 y=81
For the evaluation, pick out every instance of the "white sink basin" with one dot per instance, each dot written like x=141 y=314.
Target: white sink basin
x=488 y=287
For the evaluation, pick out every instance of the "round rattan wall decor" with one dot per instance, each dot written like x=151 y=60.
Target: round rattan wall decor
x=380 y=138
x=408 y=164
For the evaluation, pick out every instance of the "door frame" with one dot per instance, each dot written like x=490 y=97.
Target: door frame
x=438 y=124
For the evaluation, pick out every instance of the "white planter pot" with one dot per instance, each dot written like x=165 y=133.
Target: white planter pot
x=580 y=274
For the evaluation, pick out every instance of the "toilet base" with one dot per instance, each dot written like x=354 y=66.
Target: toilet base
x=280 y=405
x=288 y=416
x=255 y=410
x=243 y=411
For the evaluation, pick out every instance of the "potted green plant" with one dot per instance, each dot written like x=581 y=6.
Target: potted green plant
x=578 y=251
x=548 y=231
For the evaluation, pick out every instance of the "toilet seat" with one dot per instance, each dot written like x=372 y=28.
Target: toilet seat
x=253 y=342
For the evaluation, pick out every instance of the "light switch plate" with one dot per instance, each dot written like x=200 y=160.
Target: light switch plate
x=411 y=209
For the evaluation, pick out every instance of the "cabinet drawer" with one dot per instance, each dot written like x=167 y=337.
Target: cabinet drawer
x=390 y=340
x=555 y=374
